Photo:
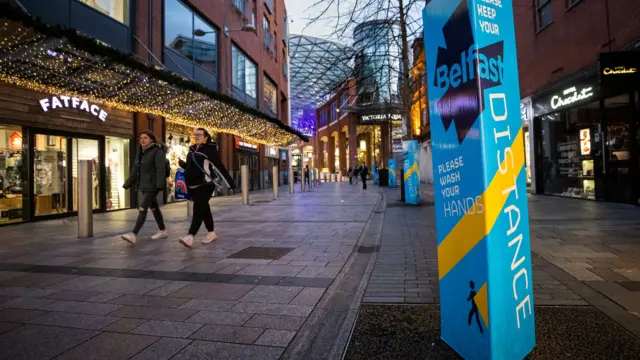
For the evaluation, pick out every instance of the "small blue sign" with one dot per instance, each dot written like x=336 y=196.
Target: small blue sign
x=411 y=168
x=482 y=218
x=181 y=191
x=392 y=173
x=376 y=174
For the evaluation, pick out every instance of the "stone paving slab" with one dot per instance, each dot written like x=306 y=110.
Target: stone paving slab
x=49 y=341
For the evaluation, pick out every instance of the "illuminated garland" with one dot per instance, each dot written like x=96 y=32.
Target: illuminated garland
x=62 y=62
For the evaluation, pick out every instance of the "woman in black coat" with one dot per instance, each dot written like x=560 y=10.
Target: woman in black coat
x=148 y=176
x=203 y=173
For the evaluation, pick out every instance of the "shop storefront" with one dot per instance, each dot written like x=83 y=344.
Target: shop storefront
x=247 y=153
x=179 y=138
x=42 y=138
x=587 y=139
x=272 y=155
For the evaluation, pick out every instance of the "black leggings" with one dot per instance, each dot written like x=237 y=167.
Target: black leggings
x=149 y=200
x=201 y=209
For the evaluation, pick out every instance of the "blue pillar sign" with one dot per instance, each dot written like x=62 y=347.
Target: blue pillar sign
x=482 y=218
x=375 y=174
x=411 y=172
x=392 y=173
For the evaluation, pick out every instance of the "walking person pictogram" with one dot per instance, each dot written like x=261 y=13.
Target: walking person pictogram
x=474 y=307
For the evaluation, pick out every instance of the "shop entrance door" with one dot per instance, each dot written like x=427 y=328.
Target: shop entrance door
x=55 y=172
x=619 y=184
x=251 y=160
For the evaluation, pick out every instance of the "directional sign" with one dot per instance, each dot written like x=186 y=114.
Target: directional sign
x=482 y=219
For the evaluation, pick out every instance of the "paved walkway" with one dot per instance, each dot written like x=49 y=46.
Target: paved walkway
x=584 y=254
x=244 y=297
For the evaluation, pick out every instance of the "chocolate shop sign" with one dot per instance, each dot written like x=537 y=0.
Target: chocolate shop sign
x=571 y=96
x=70 y=102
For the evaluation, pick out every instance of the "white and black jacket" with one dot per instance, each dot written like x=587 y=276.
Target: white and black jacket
x=204 y=166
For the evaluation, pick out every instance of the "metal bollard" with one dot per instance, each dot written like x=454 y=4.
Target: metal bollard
x=85 y=199
x=302 y=184
x=276 y=182
x=244 y=174
x=291 y=181
x=312 y=178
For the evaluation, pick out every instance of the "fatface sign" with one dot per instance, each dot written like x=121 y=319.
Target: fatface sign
x=69 y=102
x=482 y=220
x=380 y=117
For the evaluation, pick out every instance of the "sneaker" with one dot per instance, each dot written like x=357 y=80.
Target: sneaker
x=187 y=241
x=130 y=238
x=211 y=237
x=160 y=235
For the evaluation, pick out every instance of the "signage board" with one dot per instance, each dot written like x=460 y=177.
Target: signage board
x=619 y=69
x=482 y=220
x=392 y=173
x=380 y=117
x=243 y=144
x=570 y=96
x=376 y=174
x=70 y=102
x=526 y=111
x=271 y=152
x=411 y=167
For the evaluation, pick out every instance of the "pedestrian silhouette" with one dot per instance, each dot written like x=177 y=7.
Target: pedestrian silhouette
x=474 y=307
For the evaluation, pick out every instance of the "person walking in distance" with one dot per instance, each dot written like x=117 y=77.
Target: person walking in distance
x=306 y=175
x=203 y=173
x=148 y=176
x=350 y=174
x=364 y=172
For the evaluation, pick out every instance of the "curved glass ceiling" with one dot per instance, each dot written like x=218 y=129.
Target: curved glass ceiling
x=317 y=68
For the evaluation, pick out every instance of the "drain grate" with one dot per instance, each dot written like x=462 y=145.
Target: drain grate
x=367 y=249
x=262 y=253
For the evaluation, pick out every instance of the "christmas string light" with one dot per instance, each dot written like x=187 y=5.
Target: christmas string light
x=56 y=66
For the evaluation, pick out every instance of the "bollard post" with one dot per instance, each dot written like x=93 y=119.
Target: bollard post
x=302 y=177
x=85 y=199
x=402 y=184
x=244 y=175
x=276 y=182
x=291 y=181
x=312 y=175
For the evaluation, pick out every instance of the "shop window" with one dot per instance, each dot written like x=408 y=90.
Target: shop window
x=266 y=27
x=117 y=9
x=50 y=175
x=244 y=75
x=11 y=162
x=269 y=4
x=85 y=149
x=118 y=165
x=569 y=151
x=239 y=5
x=188 y=40
x=270 y=95
x=544 y=15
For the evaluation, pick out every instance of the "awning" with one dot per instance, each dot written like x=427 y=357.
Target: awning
x=62 y=61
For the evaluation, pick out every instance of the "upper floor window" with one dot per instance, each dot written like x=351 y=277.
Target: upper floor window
x=253 y=12
x=570 y=3
x=244 y=75
x=324 y=121
x=117 y=9
x=269 y=4
x=188 y=40
x=270 y=95
x=544 y=15
x=334 y=112
x=239 y=5
x=344 y=99
x=285 y=27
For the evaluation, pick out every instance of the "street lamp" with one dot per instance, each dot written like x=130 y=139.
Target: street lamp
x=245 y=28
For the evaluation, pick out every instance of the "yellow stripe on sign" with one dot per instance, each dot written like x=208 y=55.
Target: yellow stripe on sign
x=393 y=172
x=482 y=301
x=474 y=227
x=412 y=169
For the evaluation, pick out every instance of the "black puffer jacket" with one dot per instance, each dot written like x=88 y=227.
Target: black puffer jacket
x=149 y=170
x=197 y=169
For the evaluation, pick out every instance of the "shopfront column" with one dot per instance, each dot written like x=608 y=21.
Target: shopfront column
x=342 y=152
x=319 y=153
x=384 y=144
x=331 y=154
x=353 y=145
x=369 y=156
